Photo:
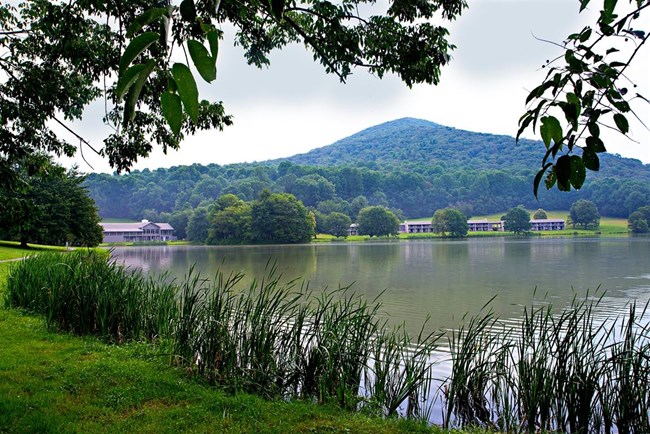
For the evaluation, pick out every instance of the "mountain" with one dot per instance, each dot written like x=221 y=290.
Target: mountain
x=415 y=141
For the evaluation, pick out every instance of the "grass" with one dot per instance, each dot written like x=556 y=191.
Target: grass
x=61 y=383
x=276 y=341
x=58 y=382
x=12 y=250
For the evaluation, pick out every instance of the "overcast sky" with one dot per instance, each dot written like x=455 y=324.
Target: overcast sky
x=293 y=106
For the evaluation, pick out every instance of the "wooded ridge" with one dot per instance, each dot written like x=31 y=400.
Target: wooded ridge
x=412 y=166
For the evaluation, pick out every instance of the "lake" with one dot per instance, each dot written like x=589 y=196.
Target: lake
x=443 y=279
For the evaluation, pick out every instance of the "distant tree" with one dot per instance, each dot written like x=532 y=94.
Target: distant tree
x=635 y=200
x=198 y=225
x=329 y=206
x=540 y=214
x=178 y=220
x=280 y=218
x=451 y=221
x=312 y=189
x=337 y=224
x=357 y=204
x=226 y=201
x=377 y=221
x=151 y=215
x=517 y=220
x=231 y=225
x=584 y=213
x=49 y=207
x=639 y=220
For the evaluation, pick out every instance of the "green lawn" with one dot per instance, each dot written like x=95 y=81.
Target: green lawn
x=12 y=250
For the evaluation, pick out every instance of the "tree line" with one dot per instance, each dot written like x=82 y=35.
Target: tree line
x=418 y=191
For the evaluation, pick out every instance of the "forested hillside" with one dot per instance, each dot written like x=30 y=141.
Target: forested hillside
x=409 y=165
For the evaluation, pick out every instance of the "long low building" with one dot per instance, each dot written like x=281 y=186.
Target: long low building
x=137 y=232
x=547 y=225
x=481 y=226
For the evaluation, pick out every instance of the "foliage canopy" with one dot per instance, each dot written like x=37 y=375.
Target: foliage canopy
x=451 y=221
x=58 y=57
x=584 y=213
x=49 y=207
x=586 y=90
x=377 y=221
x=517 y=220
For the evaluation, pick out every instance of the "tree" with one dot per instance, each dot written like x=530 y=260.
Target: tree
x=517 y=220
x=540 y=214
x=49 y=207
x=639 y=220
x=312 y=189
x=337 y=224
x=450 y=221
x=198 y=225
x=377 y=221
x=588 y=87
x=62 y=56
x=231 y=225
x=585 y=213
x=280 y=218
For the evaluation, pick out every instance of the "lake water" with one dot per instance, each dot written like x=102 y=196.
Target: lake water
x=443 y=279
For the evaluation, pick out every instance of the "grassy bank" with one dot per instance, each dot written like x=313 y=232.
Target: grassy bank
x=57 y=382
x=52 y=382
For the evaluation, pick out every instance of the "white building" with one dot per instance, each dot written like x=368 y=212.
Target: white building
x=134 y=232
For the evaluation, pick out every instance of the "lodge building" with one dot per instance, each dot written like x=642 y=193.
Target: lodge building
x=137 y=232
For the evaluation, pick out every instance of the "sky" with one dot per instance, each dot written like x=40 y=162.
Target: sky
x=292 y=106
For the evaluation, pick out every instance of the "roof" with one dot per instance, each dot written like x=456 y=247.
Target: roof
x=133 y=227
x=547 y=221
x=483 y=221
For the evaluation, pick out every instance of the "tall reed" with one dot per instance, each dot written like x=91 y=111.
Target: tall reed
x=566 y=371
x=83 y=293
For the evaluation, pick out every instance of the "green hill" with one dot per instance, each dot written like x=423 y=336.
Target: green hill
x=413 y=142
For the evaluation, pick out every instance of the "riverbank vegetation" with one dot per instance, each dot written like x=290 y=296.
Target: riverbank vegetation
x=568 y=370
x=278 y=341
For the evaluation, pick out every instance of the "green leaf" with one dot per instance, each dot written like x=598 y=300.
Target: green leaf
x=585 y=34
x=147 y=17
x=127 y=79
x=578 y=172
x=187 y=90
x=202 y=60
x=213 y=41
x=590 y=159
x=188 y=11
x=538 y=91
x=135 y=90
x=583 y=4
x=595 y=144
x=563 y=173
x=172 y=111
x=551 y=130
x=135 y=48
x=538 y=178
x=524 y=121
x=277 y=8
x=609 y=7
x=621 y=123
x=594 y=129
